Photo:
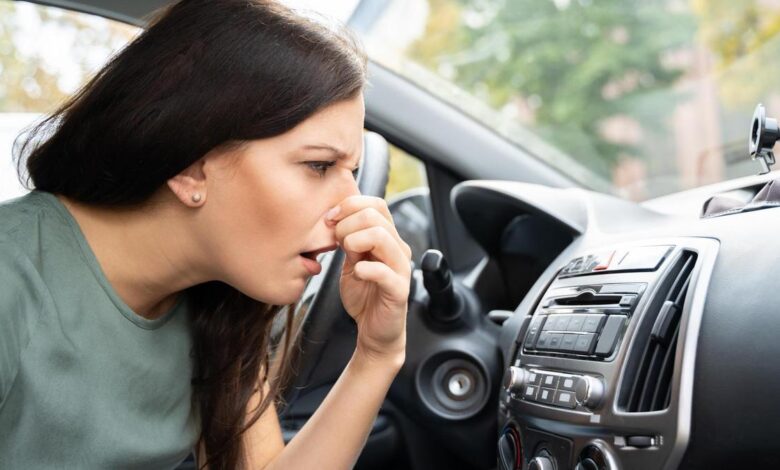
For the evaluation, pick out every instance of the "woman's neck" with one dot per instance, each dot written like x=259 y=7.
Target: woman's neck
x=145 y=252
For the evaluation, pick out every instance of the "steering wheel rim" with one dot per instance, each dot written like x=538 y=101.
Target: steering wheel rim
x=320 y=307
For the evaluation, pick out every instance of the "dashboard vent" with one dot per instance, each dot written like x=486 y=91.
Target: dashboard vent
x=647 y=385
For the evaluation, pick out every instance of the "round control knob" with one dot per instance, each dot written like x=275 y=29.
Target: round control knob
x=589 y=392
x=510 y=450
x=592 y=458
x=586 y=464
x=540 y=463
x=515 y=380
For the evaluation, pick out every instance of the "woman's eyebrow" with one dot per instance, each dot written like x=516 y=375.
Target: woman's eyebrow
x=340 y=154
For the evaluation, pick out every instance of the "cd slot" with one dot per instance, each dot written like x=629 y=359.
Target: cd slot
x=586 y=298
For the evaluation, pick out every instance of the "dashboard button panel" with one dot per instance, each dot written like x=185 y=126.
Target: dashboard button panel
x=583 y=320
x=560 y=389
x=599 y=330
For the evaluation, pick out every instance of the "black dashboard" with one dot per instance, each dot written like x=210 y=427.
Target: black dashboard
x=640 y=338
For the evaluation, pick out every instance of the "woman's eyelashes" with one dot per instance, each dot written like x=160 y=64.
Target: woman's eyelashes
x=321 y=167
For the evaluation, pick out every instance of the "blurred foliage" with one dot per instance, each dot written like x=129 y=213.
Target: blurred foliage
x=47 y=53
x=406 y=172
x=743 y=36
x=573 y=64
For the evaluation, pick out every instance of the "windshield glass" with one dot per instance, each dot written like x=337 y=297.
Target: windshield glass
x=638 y=98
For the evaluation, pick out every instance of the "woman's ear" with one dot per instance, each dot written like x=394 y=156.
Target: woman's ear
x=190 y=185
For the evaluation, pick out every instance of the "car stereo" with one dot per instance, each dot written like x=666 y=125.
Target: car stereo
x=584 y=321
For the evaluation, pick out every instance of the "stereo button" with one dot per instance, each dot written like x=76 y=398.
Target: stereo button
x=575 y=324
x=609 y=335
x=533 y=378
x=550 y=381
x=555 y=340
x=592 y=323
x=546 y=395
x=565 y=398
x=568 y=383
x=544 y=340
x=567 y=344
x=560 y=322
x=533 y=331
x=584 y=343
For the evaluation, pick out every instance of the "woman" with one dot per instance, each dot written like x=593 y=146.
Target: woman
x=176 y=200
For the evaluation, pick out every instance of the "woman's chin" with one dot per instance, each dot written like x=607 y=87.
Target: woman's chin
x=283 y=294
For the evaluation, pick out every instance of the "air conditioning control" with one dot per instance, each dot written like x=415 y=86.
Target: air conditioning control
x=589 y=391
x=592 y=458
x=515 y=380
x=541 y=463
x=510 y=450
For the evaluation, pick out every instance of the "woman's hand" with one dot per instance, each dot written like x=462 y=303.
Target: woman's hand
x=375 y=277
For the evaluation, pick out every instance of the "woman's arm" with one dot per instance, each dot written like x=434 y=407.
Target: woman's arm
x=374 y=288
x=316 y=442
x=339 y=428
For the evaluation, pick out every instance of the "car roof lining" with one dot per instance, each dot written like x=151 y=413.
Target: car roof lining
x=135 y=12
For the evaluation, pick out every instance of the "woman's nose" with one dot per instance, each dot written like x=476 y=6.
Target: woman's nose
x=352 y=188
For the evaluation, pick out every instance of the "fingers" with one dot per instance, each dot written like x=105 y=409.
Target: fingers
x=366 y=218
x=381 y=244
x=351 y=204
x=361 y=212
x=386 y=278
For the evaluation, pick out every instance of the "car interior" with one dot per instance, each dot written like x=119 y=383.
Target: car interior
x=553 y=325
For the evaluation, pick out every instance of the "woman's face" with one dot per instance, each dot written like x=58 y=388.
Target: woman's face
x=266 y=202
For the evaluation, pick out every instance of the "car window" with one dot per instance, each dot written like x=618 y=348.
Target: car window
x=46 y=54
x=406 y=173
x=637 y=98
x=408 y=198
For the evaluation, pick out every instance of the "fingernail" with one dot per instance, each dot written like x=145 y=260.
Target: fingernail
x=333 y=213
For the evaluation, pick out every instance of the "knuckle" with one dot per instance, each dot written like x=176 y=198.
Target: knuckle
x=374 y=215
x=379 y=203
x=349 y=241
x=364 y=217
x=377 y=231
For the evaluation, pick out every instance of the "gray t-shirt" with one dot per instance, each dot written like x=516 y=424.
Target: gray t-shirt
x=85 y=382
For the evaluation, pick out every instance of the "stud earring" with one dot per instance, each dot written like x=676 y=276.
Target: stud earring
x=196 y=197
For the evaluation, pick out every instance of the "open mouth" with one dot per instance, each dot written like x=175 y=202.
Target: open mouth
x=314 y=253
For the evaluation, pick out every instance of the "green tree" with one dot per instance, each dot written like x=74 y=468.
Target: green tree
x=573 y=63
x=743 y=36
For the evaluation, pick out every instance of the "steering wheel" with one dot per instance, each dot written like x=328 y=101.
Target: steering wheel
x=320 y=308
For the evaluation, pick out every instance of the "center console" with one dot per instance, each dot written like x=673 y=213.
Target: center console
x=602 y=371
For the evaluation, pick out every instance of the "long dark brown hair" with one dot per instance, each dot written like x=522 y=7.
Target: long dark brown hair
x=205 y=74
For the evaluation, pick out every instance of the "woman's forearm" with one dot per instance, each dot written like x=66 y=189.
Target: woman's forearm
x=335 y=434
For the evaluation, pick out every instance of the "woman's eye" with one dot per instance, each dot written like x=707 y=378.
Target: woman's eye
x=320 y=167
x=355 y=172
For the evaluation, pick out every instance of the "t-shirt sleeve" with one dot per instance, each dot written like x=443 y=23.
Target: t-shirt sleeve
x=22 y=295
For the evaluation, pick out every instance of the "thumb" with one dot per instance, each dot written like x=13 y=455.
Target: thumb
x=351 y=257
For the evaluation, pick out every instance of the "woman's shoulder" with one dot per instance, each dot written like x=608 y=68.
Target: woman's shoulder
x=34 y=228
x=23 y=213
x=23 y=299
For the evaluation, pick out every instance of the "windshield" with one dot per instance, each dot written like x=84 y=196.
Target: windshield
x=638 y=98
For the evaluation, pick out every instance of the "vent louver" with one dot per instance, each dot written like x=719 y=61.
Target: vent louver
x=649 y=387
